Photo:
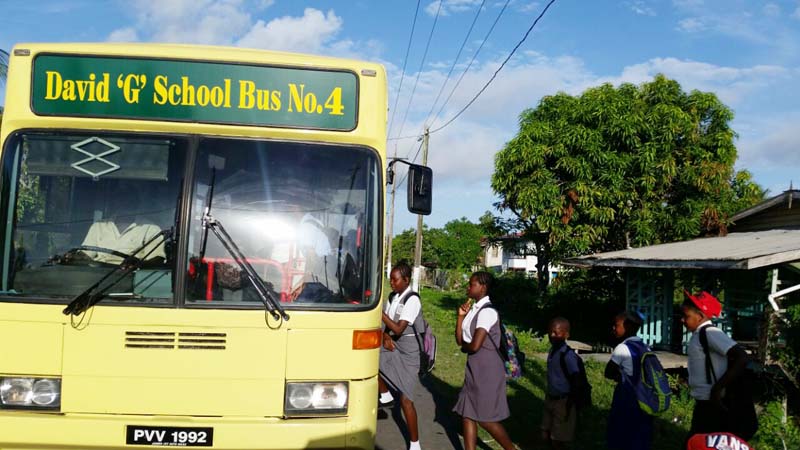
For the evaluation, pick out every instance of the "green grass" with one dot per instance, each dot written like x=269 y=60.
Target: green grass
x=525 y=397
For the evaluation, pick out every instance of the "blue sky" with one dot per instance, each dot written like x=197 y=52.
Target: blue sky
x=747 y=52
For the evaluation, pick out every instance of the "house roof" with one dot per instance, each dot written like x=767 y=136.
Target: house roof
x=784 y=197
x=735 y=251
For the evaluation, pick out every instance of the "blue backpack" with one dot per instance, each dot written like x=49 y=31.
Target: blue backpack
x=652 y=388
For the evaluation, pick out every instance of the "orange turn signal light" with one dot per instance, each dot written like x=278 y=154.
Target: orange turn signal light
x=366 y=339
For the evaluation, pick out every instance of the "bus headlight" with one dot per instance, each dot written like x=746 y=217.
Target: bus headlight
x=311 y=399
x=27 y=392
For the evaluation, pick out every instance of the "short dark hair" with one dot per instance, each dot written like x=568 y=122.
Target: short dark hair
x=403 y=268
x=560 y=320
x=484 y=278
x=631 y=320
x=690 y=304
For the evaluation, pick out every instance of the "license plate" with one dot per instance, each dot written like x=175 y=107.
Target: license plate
x=170 y=436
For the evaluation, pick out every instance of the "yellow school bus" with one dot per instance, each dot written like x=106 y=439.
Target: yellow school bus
x=191 y=248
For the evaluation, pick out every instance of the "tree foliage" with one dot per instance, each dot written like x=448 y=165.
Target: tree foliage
x=457 y=245
x=622 y=166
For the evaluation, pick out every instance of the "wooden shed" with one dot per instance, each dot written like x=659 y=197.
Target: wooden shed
x=751 y=269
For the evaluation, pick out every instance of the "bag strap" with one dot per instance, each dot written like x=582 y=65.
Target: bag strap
x=709 y=366
x=638 y=351
x=408 y=295
x=417 y=335
x=499 y=322
x=403 y=301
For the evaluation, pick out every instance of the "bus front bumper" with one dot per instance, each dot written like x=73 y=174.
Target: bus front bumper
x=50 y=431
x=33 y=431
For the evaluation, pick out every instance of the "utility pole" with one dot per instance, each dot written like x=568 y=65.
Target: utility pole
x=418 y=247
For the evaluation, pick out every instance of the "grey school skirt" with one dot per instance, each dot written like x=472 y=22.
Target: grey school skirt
x=400 y=368
x=483 y=397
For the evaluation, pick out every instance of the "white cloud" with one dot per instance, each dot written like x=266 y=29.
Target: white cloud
x=731 y=84
x=772 y=10
x=127 y=34
x=229 y=22
x=642 y=8
x=773 y=142
x=688 y=4
x=451 y=6
x=691 y=25
x=757 y=23
x=307 y=33
x=188 y=21
x=465 y=149
x=527 y=7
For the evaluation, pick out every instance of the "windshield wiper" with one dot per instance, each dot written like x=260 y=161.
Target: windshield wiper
x=94 y=293
x=209 y=222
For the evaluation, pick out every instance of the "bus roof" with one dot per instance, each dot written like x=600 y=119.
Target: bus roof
x=200 y=53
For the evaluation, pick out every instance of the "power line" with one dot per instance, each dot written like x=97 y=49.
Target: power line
x=474 y=56
x=403 y=73
x=405 y=175
x=498 y=69
x=400 y=138
x=458 y=55
x=421 y=66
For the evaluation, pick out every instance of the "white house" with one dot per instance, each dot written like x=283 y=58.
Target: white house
x=512 y=253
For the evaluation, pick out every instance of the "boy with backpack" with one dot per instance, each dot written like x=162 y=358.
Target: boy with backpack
x=567 y=387
x=717 y=372
x=629 y=426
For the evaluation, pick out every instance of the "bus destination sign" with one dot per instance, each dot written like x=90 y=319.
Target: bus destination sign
x=208 y=92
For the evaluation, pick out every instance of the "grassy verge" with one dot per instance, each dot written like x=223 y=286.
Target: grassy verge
x=526 y=396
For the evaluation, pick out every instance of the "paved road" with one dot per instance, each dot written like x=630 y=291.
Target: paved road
x=439 y=427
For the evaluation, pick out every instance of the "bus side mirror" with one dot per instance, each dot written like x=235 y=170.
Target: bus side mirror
x=420 y=182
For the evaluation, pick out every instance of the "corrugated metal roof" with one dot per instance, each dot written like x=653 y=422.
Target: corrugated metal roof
x=734 y=251
x=784 y=197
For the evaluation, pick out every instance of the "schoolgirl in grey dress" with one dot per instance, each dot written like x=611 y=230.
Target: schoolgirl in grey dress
x=482 y=400
x=399 y=356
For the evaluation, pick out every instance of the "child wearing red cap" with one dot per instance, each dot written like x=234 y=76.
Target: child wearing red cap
x=715 y=362
x=717 y=441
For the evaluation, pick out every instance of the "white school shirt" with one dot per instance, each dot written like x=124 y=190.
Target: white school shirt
x=622 y=357
x=486 y=319
x=106 y=234
x=408 y=312
x=718 y=345
x=310 y=234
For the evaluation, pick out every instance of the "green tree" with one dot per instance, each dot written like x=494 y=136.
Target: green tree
x=621 y=166
x=458 y=244
x=403 y=245
x=491 y=226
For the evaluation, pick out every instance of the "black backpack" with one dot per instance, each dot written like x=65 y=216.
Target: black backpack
x=741 y=419
x=580 y=393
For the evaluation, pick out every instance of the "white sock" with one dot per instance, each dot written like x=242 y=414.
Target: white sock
x=414 y=445
x=386 y=397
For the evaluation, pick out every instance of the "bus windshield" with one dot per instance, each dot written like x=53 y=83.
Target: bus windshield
x=302 y=214
x=299 y=212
